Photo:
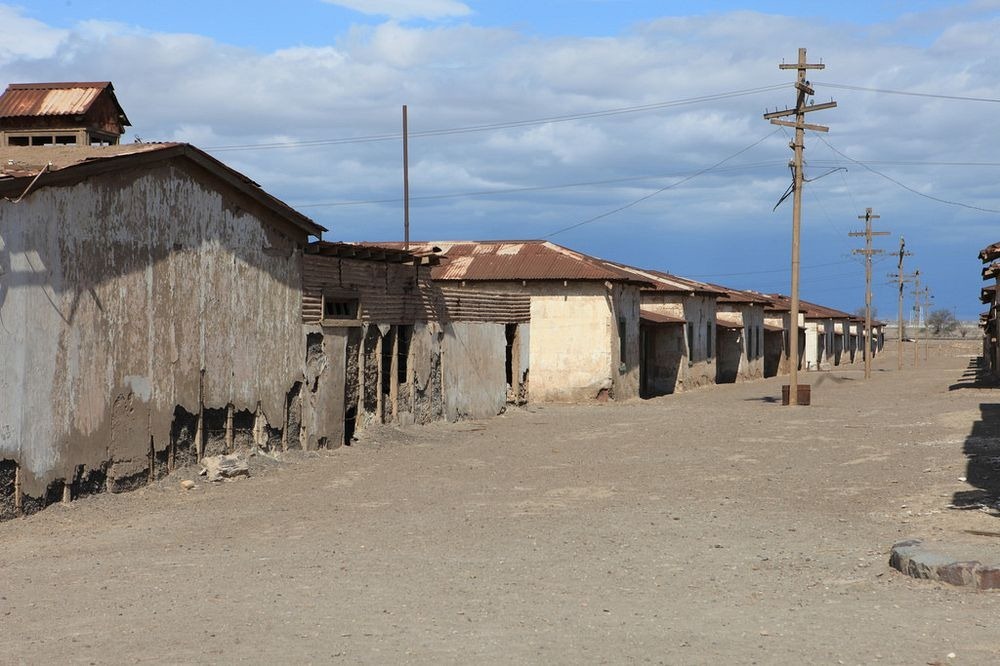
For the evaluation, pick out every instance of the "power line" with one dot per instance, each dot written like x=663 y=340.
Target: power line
x=907 y=187
x=504 y=125
x=533 y=188
x=776 y=270
x=665 y=188
x=961 y=98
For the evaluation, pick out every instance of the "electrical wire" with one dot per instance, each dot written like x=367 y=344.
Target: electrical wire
x=903 y=185
x=961 y=98
x=504 y=125
x=665 y=188
x=531 y=188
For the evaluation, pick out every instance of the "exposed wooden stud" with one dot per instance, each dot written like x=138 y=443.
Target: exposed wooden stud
x=152 y=461
x=284 y=425
x=394 y=375
x=199 y=434
x=379 y=400
x=258 y=427
x=18 y=497
x=230 y=439
x=67 y=492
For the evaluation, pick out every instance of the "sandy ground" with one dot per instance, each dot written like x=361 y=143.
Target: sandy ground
x=711 y=527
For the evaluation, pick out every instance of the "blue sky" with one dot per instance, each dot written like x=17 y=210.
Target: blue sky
x=231 y=76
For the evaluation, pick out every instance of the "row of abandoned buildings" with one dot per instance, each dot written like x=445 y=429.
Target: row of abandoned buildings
x=157 y=306
x=990 y=256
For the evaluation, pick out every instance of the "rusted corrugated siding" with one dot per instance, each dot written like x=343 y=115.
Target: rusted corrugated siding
x=485 y=306
x=390 y=293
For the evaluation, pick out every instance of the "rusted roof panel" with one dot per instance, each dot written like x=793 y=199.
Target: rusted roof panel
x=49 y=99
x=653 y=317
x=515 y=260
x=667 y=282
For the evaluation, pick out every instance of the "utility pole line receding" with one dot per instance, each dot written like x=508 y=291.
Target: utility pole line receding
x=903 y=278
x=916 y=306
x=406 y=183
x=802 y=107
x=868 y=252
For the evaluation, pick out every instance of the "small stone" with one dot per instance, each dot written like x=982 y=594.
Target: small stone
x=951 y=655
x=187 y=484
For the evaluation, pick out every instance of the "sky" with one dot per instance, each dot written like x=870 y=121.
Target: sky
x=632 y=130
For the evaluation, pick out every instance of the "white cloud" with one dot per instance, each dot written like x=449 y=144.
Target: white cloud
x=25 y=38
x=406 y=9
x=189 y=87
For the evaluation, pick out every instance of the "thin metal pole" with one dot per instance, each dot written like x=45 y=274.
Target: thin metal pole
x=406 y=183
x=899 y=324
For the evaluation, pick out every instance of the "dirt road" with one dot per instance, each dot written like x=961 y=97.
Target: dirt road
x=704 y=528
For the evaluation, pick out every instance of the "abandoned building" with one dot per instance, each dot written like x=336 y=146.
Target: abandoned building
x=61 y=114
x=385 y=344
x=740 y=340
x=990 y=256
x=679 y=331
x=582 y=339
x=150 y=300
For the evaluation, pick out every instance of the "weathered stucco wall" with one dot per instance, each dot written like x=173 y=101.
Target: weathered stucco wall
x=698 y=369
x=116 y=294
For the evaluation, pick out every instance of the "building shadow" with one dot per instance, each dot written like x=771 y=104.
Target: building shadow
x=982 y=452
x=974 y=377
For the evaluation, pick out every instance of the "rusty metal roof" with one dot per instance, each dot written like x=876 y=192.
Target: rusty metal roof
x=740 y=296
x=660 y=281
x=55 y=99
x=515 y=260
x=368 y=252
x=654 y=317
x=782 y=303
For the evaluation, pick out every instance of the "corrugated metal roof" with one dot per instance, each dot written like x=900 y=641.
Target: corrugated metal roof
x=658 y=317
x=660 y=281
x=515 y=260
x=50 y=99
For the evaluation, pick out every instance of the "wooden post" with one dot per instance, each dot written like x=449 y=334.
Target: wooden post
x=869 y=253
x=406 y=183
x=67 y=492
x=152 y=461
x=394 y=375
x=284 y=425
x=230 y=439
x=379 y=407
x=199 y=433
x=804 y=91
x=18 y=496
x=258 y=427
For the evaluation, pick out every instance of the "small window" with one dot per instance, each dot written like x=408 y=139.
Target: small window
x=709 y=351
x=66 y=140
x=42 y=140
x=340 y=308
x=18 y=141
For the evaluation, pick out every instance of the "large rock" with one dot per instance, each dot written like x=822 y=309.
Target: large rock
x=221 y=468
x=971 y=565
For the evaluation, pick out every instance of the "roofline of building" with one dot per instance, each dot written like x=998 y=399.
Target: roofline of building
x=93 y=166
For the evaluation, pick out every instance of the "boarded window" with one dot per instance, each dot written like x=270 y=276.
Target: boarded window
x=340 y=308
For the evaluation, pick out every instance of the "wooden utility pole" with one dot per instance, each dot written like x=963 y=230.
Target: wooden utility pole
x=869 y=253
x=916 y=308
x=902 y=278
x=802 y=107
x=406 y=183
